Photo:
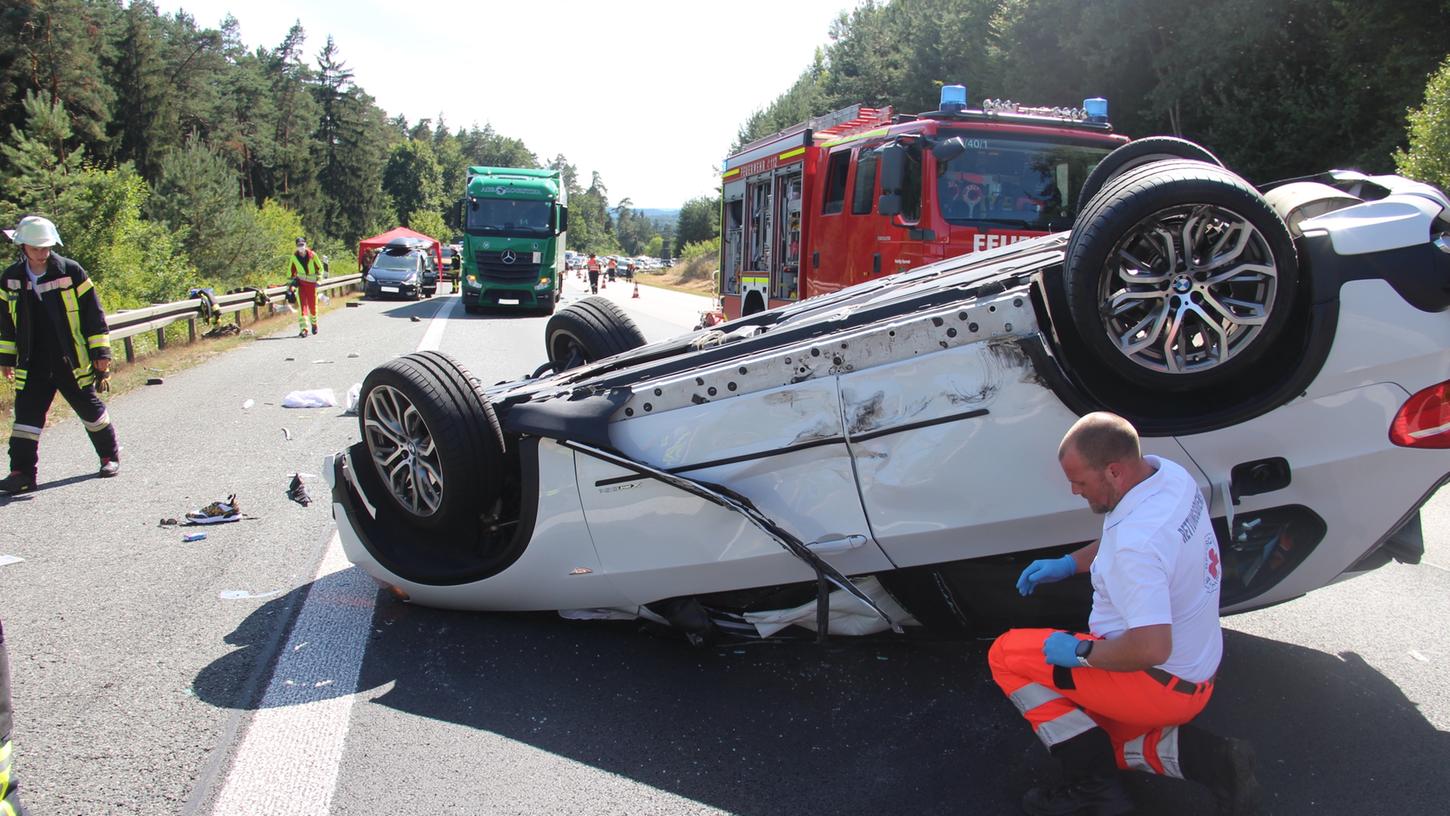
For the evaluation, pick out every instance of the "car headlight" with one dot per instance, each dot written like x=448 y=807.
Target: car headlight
x=413 y=278
x=369 y=278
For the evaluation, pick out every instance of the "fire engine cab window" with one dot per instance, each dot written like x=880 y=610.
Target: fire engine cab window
x=513 y=217
x=1014 y=184
x=865 y=182
x=836 y=182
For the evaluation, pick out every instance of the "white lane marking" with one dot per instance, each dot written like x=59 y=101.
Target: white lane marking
x=289 y=759
x=433 y=338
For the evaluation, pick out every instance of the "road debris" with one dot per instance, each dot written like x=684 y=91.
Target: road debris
x=286 y=434
x=321 y=362
x=154 y=381
x=416 y=319
x=168 y=522
x=218 y=512
x=296 y=492
x=7 y=560
x=242 y=594
x=310 y=398
x=248 y=404
x=193 y=537
x=352 y=355
x=354 y=394
x=353 y=304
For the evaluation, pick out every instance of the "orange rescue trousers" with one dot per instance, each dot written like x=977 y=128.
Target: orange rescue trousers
x=1140 y=710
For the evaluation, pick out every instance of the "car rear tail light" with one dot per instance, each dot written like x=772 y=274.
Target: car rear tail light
x=1424 y=420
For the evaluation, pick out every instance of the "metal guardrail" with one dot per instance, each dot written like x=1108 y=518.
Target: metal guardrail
x=130 y=322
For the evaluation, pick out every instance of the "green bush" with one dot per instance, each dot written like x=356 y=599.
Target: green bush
x=1428 y=158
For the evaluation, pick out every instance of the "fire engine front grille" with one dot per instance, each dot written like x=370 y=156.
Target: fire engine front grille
x=491 y=265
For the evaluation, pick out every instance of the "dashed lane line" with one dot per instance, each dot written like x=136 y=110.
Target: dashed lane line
x=288 y=761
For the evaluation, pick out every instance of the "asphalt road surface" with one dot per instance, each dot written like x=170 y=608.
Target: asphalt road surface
x=156 y=676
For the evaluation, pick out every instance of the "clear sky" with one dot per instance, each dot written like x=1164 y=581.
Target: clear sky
x=649 y=93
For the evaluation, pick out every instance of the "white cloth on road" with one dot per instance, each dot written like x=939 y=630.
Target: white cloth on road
x=314 y=398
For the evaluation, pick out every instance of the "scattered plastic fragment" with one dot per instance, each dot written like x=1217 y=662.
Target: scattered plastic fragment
x=154 y=381
x=287 y=434
x=352 y=355
x=7 y=560
x=320 y=362
x=352 y=304
x=354 y=395
x=193 y=536
x=248 y=404
x=415 y=319
x=313 y=398
x=296 y=492
x=288 y=359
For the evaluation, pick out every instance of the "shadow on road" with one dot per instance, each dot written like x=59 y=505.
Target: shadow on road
x=857 y=726
x=422 y=309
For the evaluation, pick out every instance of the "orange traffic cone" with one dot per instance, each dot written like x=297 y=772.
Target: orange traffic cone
x=636 y=290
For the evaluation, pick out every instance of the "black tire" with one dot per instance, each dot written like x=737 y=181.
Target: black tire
x=592 y=329
x=472 y=308
x=426 y=410
x=1220 y=323
x=1136 y=153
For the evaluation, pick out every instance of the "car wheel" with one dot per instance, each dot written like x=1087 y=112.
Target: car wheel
x=592 y=329
x=1179 y=276
x=1137 y=153
x=433 y=439
x=472 y=308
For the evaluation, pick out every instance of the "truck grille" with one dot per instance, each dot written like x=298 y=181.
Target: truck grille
x=491 y=265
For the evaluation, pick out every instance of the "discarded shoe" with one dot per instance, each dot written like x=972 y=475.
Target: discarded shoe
x=296 y=492
x=109 y=468
x=17 y=482
x=217 y=512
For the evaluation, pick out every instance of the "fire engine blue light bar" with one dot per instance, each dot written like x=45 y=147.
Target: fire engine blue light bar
x=953 y=98
x=1096 y=107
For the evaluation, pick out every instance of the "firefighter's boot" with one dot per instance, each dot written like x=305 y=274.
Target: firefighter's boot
x=17 y=482
x=1093 y=786
x=1225 y=766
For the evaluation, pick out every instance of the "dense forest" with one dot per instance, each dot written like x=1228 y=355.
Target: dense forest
x=1276 y=88
x=172 y=154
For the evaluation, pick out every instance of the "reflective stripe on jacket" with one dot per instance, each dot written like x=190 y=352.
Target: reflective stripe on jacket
x=75 y=313
x=308 y=270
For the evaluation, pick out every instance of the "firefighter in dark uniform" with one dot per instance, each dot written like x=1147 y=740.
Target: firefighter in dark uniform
x=9 y=796
x=53 y=337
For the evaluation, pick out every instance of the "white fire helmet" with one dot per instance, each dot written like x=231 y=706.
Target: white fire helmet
x=37 y=232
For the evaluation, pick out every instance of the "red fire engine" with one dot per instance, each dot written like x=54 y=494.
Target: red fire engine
x=862 y=192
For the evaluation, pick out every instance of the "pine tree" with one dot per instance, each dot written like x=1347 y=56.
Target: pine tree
x=42 y=159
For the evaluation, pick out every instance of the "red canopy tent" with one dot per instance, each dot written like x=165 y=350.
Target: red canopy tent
x=377 y=242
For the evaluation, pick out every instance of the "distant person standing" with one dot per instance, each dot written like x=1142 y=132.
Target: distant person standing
x=613 y=268
x=53 y=337
x=592 y=266
x=306 y=271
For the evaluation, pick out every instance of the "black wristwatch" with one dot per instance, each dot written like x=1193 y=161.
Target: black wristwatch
x=1084 y=648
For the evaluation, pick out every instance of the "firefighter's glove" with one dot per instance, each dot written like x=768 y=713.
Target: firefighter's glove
x=1045 y=571
x=1060 y=649
x=103 y=381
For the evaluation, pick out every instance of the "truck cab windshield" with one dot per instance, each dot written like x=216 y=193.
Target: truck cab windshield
x=502 y=216
x=1014 y=183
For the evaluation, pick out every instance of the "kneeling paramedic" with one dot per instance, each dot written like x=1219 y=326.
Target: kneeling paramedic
x=1121 y=697
x=53 y=337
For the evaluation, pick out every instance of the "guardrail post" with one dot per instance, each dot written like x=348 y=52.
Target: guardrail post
x=239 y=318
x=161 y=338
x=256 y=314
x=130 y=350
x=191 y=330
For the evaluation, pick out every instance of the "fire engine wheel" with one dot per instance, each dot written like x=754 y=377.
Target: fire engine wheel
x=1180 y=276
x=433 y=439
x=592 y=329
x=1135 y=154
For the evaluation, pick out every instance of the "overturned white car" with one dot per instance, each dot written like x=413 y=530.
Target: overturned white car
x=891 y=448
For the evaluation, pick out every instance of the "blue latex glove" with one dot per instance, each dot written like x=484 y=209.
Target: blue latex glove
x=1061 y=650
x=1045 y=571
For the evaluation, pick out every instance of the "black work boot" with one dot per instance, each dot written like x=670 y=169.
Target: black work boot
x=1093 y=785
x=1223 y=764
x=17 y=482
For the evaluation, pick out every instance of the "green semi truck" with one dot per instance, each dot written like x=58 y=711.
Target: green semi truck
x=514 y=220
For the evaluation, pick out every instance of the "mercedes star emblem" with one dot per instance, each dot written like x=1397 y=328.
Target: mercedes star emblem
x=508 y=256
